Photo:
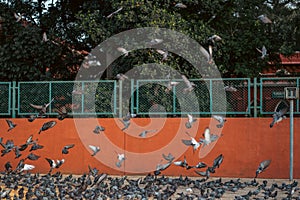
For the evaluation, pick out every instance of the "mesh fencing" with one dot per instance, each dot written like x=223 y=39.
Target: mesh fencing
x=5 y=100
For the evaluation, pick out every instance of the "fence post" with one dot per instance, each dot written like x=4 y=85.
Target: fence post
x=120 y=98
x=255 y=96
x=13 y=100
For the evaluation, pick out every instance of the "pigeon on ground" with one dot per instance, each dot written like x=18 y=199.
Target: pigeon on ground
x=98 y=129
x=279 y=115
x=121 y=158
x=66 y=148
x=262 y=166
x=95 y=149
x=145 y=132
x=192 y=142
x=208 y=137
x=10 y=124
x=263 y=52
x=190 y=85
x=42 y=108
x=190 y=121
x=220 y=119
x=31 y=118
x=264 y=19
x=47 y=125
x=113 y=13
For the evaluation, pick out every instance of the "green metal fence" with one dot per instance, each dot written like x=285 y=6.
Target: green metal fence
x=105 y=98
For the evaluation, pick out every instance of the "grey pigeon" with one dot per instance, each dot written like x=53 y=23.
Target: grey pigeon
x=32 y=156
x=8 y=166
x=217 y=161
x=47 y=125
x=42 y=108
x=121 y=158
x=262 y=166
x=98 y=129
x=125 y=123
x=279 y=115
x=95 y=149
x=230 y=89
x=144 y=133
x=263 y=52
x=168 y=157
x=208 y=137
x=190 y=121
x=66 y=148
x=123 y=51
x=163 y=53
x=220 y=119
x=161 y=167
x=190 y=85
x=10 y=124
x=62 y=113
x=192 y=142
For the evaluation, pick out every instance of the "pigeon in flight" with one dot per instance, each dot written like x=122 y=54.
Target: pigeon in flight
x=168 y=157
x=98 y=129
x=123 y=50
x=208 y=137
x=163 y=53
x=262 y=166
x=220 y=119
x=62 y=113
x=217 y=161
x=113 y=13
x=190 y=121
x=279 y=115
x=170 y=85
x=190 y=85
x=95 y=149
x=27 y=167
x=264 y=19
x=54 y=164
x=180 y=5
x=66 y=148
x=42 y=108
x=145 y=132
x=10 y=124
x=192 y=142
x=263 y=52
x=47 y=125
x=32 y=156
x=8 y=166
x=212 y=40
x=121 y=77
x=121 y=158
x=161 y=167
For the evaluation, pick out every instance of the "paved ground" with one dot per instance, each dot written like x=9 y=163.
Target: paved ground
x=183 y=187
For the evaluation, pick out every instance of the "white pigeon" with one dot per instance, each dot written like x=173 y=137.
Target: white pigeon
x=95 y=149
x=121 y=158
x=192 y=142
x=27 y=167
x=190 y=85
x=190 y=121
x=180 y=5
x=208 y=137
x=220 y=119
x=263 y=52
x=123 y=50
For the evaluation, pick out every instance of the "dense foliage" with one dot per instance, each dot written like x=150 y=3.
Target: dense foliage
x=44 y=42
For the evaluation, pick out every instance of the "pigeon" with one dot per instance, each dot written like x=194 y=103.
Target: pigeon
x=47 y=125
x=208 y=137
x=182 y=163
x=54 y=164
x=66 y=148
x=190 y=85
x=230 y=89
x=263 y=52
x=113 y=13
x=123 y=50
x=11 y=125
x=190 y=121
x=18 y=17
x=121 y=158
x=36 y=146
x=32 y=156
x=125 y=123
x=170 y=85
x=161 y=167
x=8 y=166
x=212 y=40
x=200 y=165
x=62 y=113
x=145 y=132
x=168 y=157
x=98 y=129
x=220 y=119
x=180 y=5
x=95 y=149
x=163 y=53
x=27 y=167
x=17 y=152
x=205 y=173
x=121 y=77
x=31 y=118
x=278 y=116
x=128 y=116
x=42 y=108
x=217 y=161
x=264 y=19
x=262 y=166
x=192 y=142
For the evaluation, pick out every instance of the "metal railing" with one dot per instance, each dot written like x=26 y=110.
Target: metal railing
x=107 y=98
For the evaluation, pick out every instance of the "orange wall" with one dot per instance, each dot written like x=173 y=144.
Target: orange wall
x=245 y=143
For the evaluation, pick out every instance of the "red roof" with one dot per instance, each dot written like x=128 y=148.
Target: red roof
x=293 y=59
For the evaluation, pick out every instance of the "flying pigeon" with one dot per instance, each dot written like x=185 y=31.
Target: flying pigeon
x=200 y=165
x=18 y=17
x=54 y=164
x=98 y=129
x=36 y=146
x=168 y=157
x=262 y=166
x=217 y=161
x=163 y=53
x=123 y=50
x=181 y=163
x=190 y=85
x=264 y=19
x=47 y=125
x=220 y=119
x=161 y=167
x=42 y=108
x=8 y=166
x=192 y=142
x=113 y=13
x=190 y=121
x=17 y=152
x=180 y=5
x=263 y=52
x=62 y=113
x=121 y=158
x=125 y=123
x=145 y=132
x=66 y=148
x=170 y=85
x=27 y=167
x=208 y=137
x=212 y=40
x=121 y=77
x=95 y=149
x=279 y=115
x=11 y=125
x=32 y=156
x=205 y=173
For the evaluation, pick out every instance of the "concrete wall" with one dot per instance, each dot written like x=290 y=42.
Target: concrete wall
x=245 y=142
